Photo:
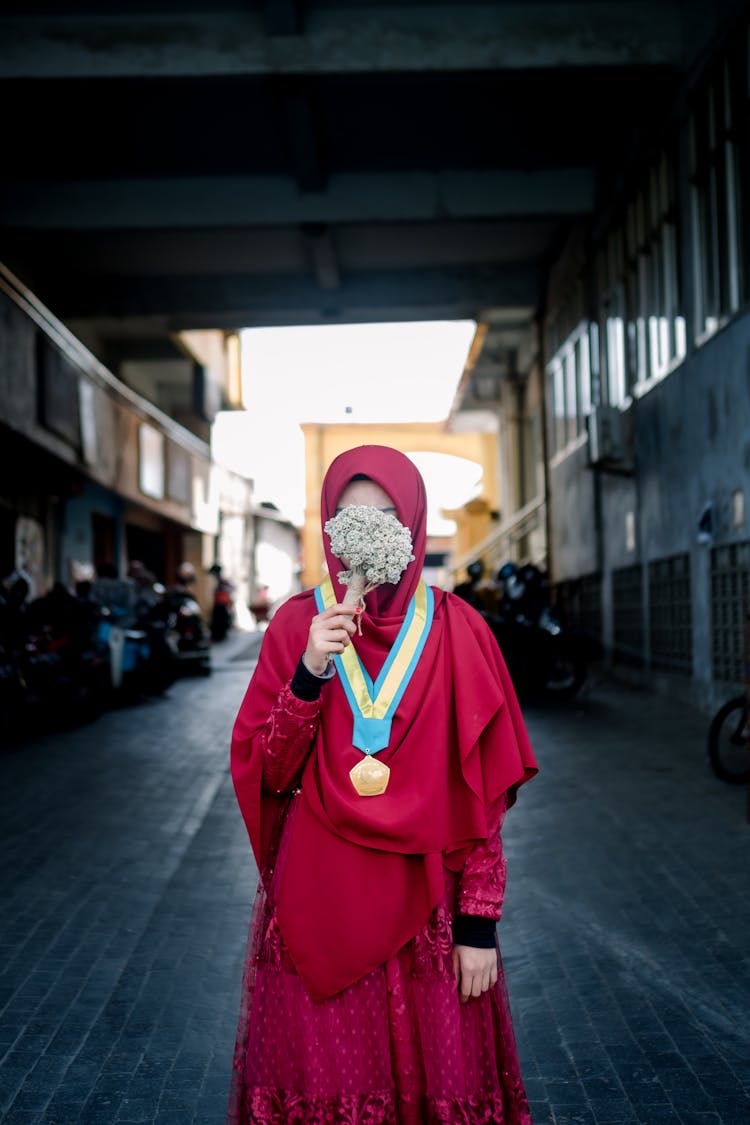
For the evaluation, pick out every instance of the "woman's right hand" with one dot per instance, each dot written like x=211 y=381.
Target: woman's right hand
x=330 y=633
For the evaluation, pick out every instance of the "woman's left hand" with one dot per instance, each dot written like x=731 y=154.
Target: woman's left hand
x=475 y=970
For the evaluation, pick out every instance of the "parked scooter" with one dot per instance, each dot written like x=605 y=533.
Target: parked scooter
x=64 y=657
x=545 y=659
x=222 y=613
x=134 y=632
x=261 y=606
x=50 y=667
x=193 y=648
x=478 y=590
x=13 y=594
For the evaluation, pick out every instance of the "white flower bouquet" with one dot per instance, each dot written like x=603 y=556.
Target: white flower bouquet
x=376 y=547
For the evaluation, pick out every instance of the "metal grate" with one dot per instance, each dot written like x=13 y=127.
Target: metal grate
x=730 y=583
x=627 y=603
x=579 y=603
x=670 y=614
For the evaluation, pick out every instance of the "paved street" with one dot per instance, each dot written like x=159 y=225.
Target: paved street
x=127 y=881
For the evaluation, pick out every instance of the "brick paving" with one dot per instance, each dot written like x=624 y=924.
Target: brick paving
x=627 y=923
x=126 y=885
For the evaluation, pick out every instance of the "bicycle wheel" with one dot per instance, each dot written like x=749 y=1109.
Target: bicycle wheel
x=728 y=741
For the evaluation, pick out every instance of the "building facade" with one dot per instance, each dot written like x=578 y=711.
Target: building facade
x=624 y=413
x=95 y=474
x=645 y=342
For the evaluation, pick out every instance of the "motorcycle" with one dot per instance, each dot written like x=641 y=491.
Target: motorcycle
x=134 y=634
x=546 y=660
x=13 y=593
x=183 y=618
x=222 y=613
x=50 y=668
x=60 y=681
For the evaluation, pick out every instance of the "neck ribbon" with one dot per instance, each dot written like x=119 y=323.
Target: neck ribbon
x=374 y=704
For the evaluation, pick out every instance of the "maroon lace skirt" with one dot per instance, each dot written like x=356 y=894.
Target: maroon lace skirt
x=396 y=1048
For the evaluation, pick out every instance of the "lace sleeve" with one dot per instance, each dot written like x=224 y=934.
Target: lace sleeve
x=482 y=883
x=286 y=740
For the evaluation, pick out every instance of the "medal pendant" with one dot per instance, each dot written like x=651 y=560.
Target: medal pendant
x=370 y=777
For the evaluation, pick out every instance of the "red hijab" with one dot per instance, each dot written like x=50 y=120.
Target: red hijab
x=362 y=874
x=401 y=479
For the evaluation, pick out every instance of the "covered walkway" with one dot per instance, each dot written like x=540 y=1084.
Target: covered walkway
x=127 y=882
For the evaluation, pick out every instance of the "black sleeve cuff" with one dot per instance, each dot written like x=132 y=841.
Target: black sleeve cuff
x=470 y=929
x=306 y=685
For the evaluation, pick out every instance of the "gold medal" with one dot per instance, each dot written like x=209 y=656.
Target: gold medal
x=370 y=777
x=373 y=705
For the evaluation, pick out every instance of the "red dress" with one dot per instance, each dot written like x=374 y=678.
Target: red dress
x=350 y=1009
x=394 y=1048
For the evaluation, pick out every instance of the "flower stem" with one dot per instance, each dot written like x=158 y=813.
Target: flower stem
x=355 y=595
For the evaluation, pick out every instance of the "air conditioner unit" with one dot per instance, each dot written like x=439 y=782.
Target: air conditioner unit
x=609 y=447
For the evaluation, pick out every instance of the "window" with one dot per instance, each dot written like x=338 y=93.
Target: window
x=660 y=326
x=583 y=365
x=617 y=383
x=641 y=326
x=558 y=428
x=610 y=286
x=569 y=371
x=715 y=200
x=151 y=461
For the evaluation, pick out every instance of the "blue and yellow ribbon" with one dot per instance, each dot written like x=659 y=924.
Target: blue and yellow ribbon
x=374 y=704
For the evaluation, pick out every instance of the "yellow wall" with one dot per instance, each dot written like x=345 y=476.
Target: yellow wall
x=474 y=523
x=324 y=442
x=219 y=351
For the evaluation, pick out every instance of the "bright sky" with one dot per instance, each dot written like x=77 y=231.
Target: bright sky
x=344 y=373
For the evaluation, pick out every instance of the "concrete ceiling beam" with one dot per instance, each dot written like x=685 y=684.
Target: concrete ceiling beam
x=212 y=202
x=244 y=250
x=283 y=17
x=233 y=301
x=341 y=40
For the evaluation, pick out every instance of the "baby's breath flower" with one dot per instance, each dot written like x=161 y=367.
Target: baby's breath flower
x=376 y=546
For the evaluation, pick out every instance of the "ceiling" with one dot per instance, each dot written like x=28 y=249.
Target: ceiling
x=186 y=165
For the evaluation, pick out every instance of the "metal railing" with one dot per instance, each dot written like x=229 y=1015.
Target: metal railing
x=512 y=541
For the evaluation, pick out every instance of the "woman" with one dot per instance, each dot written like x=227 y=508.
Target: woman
x=373 y=991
